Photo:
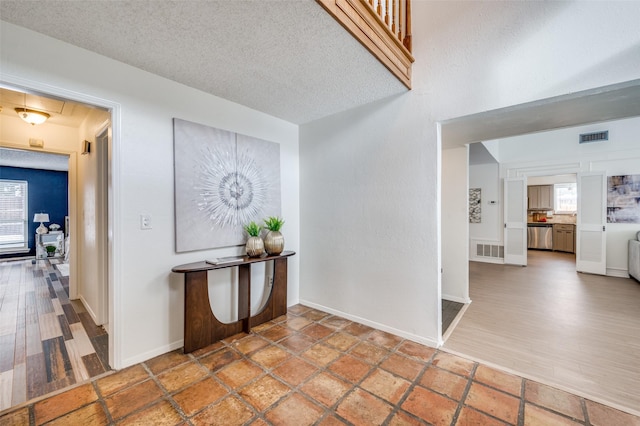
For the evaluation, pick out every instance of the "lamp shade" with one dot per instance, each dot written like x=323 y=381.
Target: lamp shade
x=41 y=217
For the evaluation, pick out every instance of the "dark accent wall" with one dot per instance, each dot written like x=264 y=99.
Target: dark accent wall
x=48 y=193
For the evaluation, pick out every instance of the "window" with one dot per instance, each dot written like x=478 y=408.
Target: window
x=13 y=215
x=565 y=198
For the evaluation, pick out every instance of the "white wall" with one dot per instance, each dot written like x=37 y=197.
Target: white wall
x=368 y=205
x=91 y=287
x=370 y=175
x=455 y=210
x=148 y=297
x=562 y=144
x=487 y=178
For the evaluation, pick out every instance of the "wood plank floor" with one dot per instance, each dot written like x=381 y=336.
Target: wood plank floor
x=546 y=322
x=47 y=342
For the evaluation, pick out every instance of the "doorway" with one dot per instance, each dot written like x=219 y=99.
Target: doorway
x=80 y=297
x=552 y=215
x=456 y=135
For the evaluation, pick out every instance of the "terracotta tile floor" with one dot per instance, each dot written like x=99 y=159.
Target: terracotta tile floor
x=309 y=367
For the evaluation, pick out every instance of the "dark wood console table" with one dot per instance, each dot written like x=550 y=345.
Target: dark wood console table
x=201 y=327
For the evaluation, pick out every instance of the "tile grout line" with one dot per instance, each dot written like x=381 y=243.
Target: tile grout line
x=166 y=395
x=409 y=391
x=523 y=386
x=102 y=402
x=585 y=412
x=465 y=393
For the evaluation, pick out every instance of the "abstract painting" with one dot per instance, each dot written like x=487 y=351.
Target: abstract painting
x=475 y=205
x=623 y=199
x=223 y=181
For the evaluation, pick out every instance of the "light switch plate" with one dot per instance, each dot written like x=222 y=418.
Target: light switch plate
x=145 y=221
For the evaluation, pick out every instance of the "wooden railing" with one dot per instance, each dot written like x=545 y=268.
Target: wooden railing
x=396 y=15
x=382 y=26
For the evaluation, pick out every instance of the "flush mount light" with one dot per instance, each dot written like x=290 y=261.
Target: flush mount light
x=31 y=116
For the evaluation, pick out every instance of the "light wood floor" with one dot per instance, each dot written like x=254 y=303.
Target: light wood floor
x=47 y=342
x=578 y=332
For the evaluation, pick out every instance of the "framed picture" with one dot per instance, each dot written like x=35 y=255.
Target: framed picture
x=623 y=199
x=223 y=181
x=475 y=205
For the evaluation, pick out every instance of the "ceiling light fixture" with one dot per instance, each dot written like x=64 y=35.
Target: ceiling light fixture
x=31 y=116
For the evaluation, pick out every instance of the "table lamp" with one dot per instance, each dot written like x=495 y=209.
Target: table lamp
x=41 y=217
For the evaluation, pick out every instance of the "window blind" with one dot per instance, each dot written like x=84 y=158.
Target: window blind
x=13 y=214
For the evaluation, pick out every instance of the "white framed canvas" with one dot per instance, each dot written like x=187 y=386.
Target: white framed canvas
x=223 y=180
x=623 y=199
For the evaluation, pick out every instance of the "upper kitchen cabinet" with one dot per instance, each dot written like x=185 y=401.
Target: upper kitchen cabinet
x=540 y=197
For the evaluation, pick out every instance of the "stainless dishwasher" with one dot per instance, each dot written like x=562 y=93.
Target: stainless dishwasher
x=540 y=236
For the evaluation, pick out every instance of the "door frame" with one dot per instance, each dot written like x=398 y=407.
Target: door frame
x=72 y=205
x=113 y=267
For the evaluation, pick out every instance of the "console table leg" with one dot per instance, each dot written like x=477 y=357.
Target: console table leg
x=279 y=295
x=199 y=321
x=244 y=297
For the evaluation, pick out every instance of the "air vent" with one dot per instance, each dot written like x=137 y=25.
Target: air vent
x=594 y=137
x=489 y=250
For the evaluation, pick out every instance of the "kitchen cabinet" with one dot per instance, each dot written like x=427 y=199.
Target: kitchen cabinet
x=564 y=237
x=540 y=197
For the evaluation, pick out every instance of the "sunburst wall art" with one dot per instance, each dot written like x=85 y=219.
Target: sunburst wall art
x=223 y=180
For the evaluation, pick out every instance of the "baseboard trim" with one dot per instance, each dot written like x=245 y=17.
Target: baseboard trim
x=89 y=310
x=456 y=299
x=409 y=336
x=455 y=322
x=127 y=362
x=498 y=261
x=617 y=272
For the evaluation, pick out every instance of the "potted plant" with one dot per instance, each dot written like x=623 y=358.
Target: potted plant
x=51 y=250
x=255 y=245
x=274 y=241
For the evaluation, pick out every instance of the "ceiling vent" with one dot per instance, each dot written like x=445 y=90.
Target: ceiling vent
x=594 y=137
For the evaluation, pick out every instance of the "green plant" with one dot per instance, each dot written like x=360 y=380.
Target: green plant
x=253 y=229
x=273 y=223
x=51 y=249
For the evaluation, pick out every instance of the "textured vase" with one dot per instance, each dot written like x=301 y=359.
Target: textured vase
x=274 y=242
x=255 y=247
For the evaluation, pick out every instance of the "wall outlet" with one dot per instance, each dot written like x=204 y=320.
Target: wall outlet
x=145 y=221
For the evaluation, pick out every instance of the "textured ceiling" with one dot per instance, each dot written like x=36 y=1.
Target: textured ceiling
x=287 y=58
